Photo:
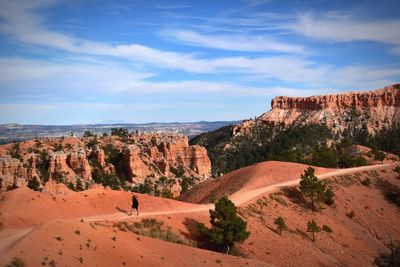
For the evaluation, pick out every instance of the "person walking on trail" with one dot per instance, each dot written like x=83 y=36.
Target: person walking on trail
x=135 y=205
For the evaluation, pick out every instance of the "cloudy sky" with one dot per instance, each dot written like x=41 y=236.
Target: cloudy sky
x=83 y=61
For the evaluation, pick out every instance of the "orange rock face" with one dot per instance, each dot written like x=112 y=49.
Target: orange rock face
x=138 y=157
x=164 y=154
x=10 y=170
x=78 y=162
x=374 y=110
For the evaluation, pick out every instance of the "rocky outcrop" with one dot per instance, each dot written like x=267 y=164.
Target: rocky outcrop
x=135 y=169
x=136 y=157
x=373 y=110
x=162 y=157
x=79 y=163
x=58 y=165
x=11 y=172
x=98 y=156
x=54 y=188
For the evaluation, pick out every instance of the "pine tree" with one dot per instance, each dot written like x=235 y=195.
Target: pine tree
x=311 y=187
x=280 y=224
x=313 y=227
x=226 y=226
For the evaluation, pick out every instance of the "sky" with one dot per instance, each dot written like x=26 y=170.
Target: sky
x=85 y=62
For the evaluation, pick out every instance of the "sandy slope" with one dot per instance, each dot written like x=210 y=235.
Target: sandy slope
x=28 y=216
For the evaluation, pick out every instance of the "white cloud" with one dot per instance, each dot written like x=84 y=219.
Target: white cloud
x=27 y=27
x=345 y=29
x=232 y=42
x=21 y=20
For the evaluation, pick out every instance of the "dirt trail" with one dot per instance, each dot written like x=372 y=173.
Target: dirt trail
x=9 y=237
x=241 y=197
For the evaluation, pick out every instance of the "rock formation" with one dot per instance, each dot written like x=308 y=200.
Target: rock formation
x=373 y=110
x=136 y=158
x=79 y=163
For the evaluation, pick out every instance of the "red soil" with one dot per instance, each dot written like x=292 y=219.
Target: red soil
x=31 y=223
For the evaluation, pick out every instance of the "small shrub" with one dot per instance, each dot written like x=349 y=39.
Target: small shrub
x=79 y=186
x=58 y=238
x=280 y=224
x=313 y=228
x=326 y=228
x=294 y=194
x=77 y=232
x=391 y=259
x=328 y=196
x=16 y=262
x=279 y=199
x=15 y=151
x=390 y=191
x=351 y=214
x=34 y=184
x=366 y=181
x=397 y=169
x=57 y=147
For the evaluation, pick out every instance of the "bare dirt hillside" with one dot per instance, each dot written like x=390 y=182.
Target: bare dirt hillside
x=92 y=228
x=247 y=178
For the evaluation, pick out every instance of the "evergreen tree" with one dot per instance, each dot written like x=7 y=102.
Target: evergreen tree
x=34 y=184
x=313 y=227
x=311 y=187
x=280 y=224
x=226 y=226
x=15 y=151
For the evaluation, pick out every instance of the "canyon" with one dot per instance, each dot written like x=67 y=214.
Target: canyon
x=132 y=160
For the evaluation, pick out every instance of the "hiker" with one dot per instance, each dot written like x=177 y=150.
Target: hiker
x=135 y=204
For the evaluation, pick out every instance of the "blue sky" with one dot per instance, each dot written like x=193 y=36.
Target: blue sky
x=72 y=62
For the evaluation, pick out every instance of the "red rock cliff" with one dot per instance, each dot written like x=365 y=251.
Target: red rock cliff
x=371 y=109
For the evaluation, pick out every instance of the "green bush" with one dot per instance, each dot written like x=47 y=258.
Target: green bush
x=280 y=224
x=313 y=228
x=106 y=179
x=186 y=183
x=366 y=181
x=16 y=262
x=391 y=259
x=120 y=132
x=351 y=214
x=87 y=134
x=326 y=228
x=43 y=166
x=34 y=184
x=390 y=191
x=397 y=169
x=329 y=196
x=15 y=151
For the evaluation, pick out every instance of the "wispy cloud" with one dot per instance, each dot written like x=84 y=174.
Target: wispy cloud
x=247 y=43
x=345 y=29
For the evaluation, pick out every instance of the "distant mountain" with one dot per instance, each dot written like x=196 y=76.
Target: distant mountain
x=18 y=132
x=113 y=122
